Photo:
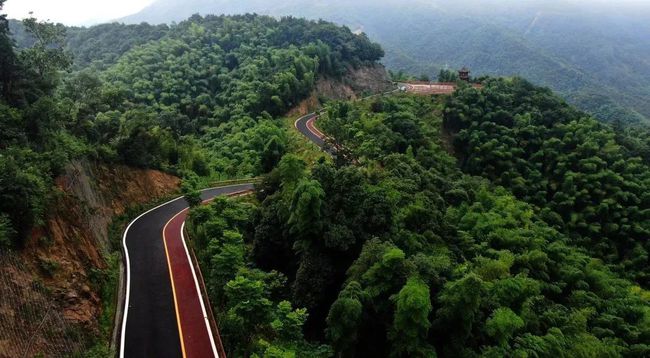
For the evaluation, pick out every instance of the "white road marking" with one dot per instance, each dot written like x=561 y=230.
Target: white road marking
x=128 y=275
x=198 y=292
x=128 y=263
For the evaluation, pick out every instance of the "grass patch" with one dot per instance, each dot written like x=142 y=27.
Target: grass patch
x=49 y=267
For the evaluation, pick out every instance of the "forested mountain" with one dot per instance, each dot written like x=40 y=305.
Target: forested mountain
x=199 y=100
x=594 y=53
x=494 y=222
x=98 y=46
x=557 y=158
x=520 y=244
x=171 y=104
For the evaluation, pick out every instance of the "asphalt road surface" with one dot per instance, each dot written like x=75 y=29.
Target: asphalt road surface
x=164 y=314
x=305 y=125
x=162 y=296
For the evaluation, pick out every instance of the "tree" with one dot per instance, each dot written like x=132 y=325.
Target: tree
x=288 y=322
x=460 y=307
x=8 y=60
x=386 y=274
x=226 y=258
x=141 y=144
x=503 y=324
x=411 y=323
x=291 y=169
x=344 y=319
x=47 y=55
x=7 y=232
x=41 y=63
x=306 y=208
x=249 y=310
x=273 y=152
x=189 y=188
x=23 y=193
x=447 y=76
x=42 y=121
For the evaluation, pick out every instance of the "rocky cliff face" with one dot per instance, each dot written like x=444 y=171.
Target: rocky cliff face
x=49 y=287
x=357 y=83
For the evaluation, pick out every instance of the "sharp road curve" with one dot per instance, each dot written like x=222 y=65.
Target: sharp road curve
x=165 y=314
x=305 y=125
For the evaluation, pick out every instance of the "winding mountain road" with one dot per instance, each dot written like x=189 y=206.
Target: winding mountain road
x=305 y=125
x=164 y=312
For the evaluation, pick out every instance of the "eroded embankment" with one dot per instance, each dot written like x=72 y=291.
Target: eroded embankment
x=50 y=299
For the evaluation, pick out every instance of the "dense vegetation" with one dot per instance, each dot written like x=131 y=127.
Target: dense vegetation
x=394 y=251
x=567 y=164
x=102 y=45
x=97 y=46
x=198 y=98
x=494 y=222
x=255 y=318
x=592 y=53
x=227 y=77
x=34 y=142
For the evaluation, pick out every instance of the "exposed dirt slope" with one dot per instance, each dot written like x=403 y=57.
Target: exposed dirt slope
x=356 y=83
x=60 y=262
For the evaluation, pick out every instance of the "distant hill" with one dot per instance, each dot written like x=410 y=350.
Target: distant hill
x=100 y=45
x=597 y=56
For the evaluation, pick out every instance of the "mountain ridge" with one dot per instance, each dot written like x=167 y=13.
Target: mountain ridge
x=423 y=37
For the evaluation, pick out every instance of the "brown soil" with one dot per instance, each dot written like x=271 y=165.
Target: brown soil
x=74 y=241
x=358 y=82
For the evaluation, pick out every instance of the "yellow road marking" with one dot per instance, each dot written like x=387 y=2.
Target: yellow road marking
x=171 y=275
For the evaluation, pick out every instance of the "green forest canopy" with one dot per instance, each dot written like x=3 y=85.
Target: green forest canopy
x=593 y=53
x=398 y=250
x=199 y=97
x=499 y=222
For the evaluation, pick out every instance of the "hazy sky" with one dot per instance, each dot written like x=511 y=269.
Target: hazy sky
x=89 y=12
x=74 y=12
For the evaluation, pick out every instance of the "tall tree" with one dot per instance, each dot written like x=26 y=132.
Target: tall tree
x=411 y=324
x=48 y=54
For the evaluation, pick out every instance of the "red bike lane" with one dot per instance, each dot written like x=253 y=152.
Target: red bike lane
x=312 y=128
x=197 y=340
